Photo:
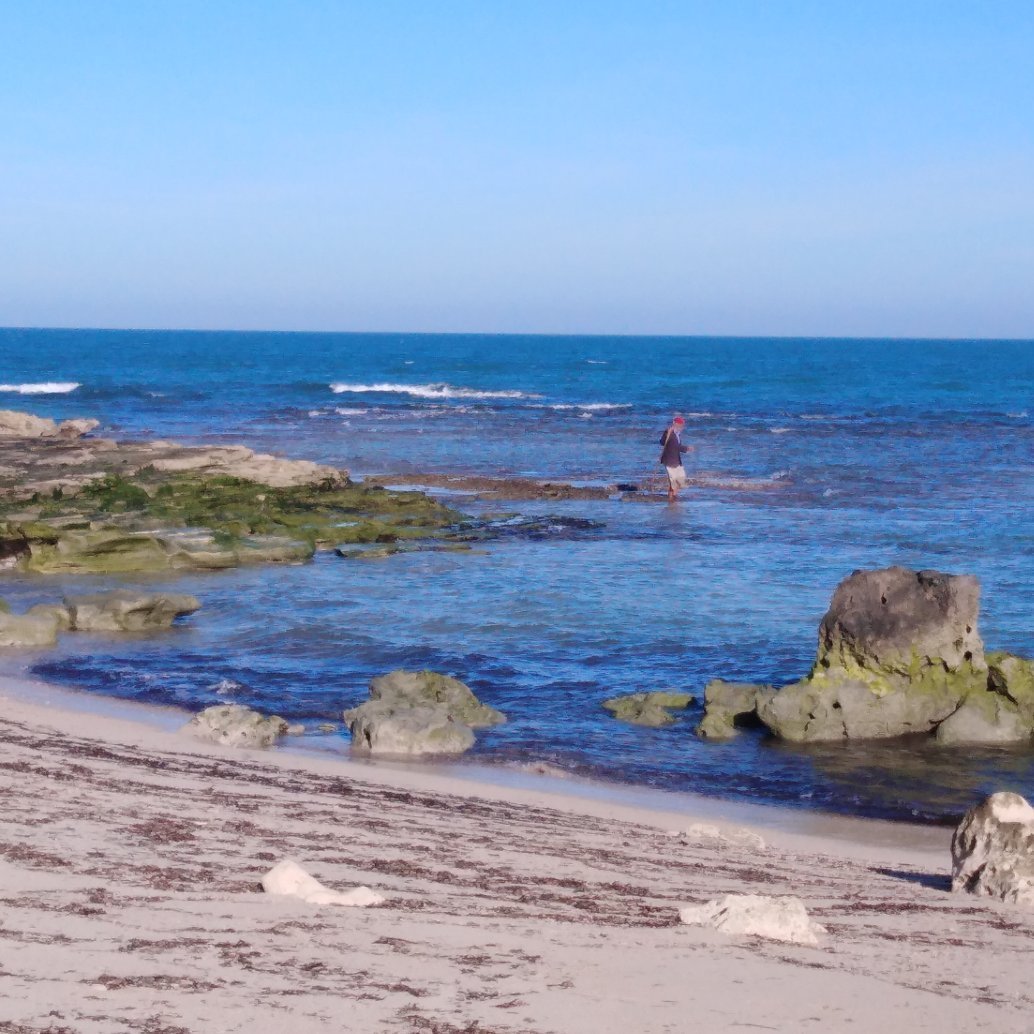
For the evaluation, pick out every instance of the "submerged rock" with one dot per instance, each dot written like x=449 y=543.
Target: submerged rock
x=126 y=611
x=234 y=725
x=755 y=915
x=418 y=712
x=992 y=851
x=650 y=709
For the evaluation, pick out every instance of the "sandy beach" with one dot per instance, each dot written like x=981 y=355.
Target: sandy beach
x=131 y=861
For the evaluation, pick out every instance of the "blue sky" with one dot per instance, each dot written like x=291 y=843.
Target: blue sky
x=609 y=167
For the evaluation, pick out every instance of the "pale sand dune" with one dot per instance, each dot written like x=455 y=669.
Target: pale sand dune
x=130 y=861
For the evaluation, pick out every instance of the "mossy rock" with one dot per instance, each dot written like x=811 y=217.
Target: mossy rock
x=119 y=525
x=429 y=688
x=1012 y=677
x=651 y=709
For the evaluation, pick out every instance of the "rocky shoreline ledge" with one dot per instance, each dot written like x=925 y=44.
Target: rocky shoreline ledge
x=74 y=503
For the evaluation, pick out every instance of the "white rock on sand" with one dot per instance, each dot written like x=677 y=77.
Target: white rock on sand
x=703 y=831
x=234 y=725
x=289 y=879
x=992 y=851
x=756 y=915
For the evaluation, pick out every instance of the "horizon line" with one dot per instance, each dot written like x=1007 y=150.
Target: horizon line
x=521 y=334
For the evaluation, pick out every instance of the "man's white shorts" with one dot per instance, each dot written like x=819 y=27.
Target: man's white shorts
x=677 y=476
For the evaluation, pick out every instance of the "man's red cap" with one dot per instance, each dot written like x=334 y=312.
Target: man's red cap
x=678 y=420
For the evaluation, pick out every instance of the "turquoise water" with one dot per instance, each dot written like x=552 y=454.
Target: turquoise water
x=816 y=457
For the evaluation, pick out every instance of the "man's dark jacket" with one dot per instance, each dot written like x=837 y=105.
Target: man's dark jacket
x=671 y=455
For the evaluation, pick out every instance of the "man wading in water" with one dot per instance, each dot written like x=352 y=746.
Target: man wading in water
x=671 y=456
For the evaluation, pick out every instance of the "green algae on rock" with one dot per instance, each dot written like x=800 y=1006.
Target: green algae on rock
x=652 y=709
x=122 y=526
x=727 y=702
x=898 y=654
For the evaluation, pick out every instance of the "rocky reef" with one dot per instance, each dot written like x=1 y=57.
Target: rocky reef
x=898 y=653
x=72 y=503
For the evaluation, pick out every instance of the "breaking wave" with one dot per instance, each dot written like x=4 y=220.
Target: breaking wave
x=427 y=391
x=43 y=388
x=592 y=407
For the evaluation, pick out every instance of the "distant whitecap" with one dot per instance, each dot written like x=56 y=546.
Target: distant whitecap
x=42 y=388
x=427 y=391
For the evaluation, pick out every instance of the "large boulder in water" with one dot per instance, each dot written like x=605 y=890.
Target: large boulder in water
x=898 y=653
x=126 y=611
x=418 y=712
x=896 y=622
x=428 y=688
x=992 y=851
x=378 y=727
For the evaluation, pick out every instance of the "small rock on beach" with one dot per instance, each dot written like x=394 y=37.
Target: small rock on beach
x=992 y=850
x=234 y=725
x=289 y=879
x=756 y=915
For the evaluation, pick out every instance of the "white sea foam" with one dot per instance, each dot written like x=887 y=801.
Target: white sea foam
x=598 y=362
x=427 y=391
x=1021 y=415
x=43 y=388
x=591 y=407
x=780 y=430
x=346 y=411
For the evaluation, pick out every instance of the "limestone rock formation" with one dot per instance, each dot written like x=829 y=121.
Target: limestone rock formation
x=992 y=851
x=900 y=622
x=14 y=424
x=650 y=709
x=724 y=702
x=419 y=688
x=234 y=725
x=383 y=728
x=984 y=717
x=124 y=610
x=756 y=915
x=289 y=879
x=898 y=653
x=418 y=712
x=35 y=630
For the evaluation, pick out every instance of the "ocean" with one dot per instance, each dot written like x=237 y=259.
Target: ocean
x=814 y=458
